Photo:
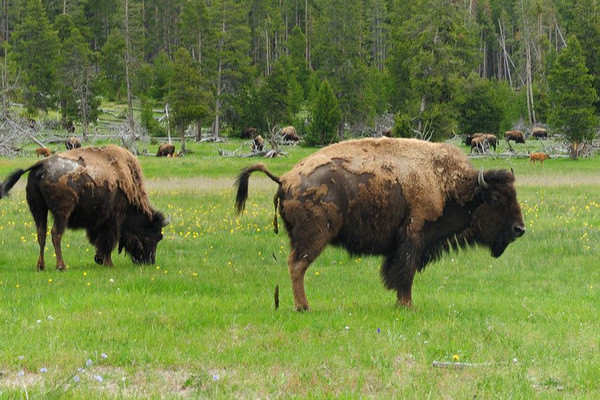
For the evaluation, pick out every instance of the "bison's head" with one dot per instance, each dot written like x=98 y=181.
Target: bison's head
x=140 y=236
x=497 y=219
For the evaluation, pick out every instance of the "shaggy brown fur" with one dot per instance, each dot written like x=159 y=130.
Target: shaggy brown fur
x=401 y=198
x=516 y=136
x=289 y=133
x=72 y=143
x=533 y=157
x=165 y=150
x=43 y=151
x=101 y=190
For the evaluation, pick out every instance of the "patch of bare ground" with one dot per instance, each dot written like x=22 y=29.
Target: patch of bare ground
x=116 y=382
x=558 y=180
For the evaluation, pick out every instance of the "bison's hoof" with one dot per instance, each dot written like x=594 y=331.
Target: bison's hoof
x=302 y=308
x=60 y=267
x=41 y=267
x=98 y=260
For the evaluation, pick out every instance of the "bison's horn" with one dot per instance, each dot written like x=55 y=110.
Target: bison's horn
x=481 y=181
x=166 y=221
x=512 y=171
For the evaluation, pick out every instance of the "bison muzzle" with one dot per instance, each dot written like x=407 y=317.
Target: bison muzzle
x=405 y=199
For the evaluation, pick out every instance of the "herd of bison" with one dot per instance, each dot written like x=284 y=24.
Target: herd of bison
x=407 y=200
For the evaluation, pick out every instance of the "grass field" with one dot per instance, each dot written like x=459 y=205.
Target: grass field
x=201 y=322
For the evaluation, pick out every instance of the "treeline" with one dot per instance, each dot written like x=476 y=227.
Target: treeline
x=439 y=67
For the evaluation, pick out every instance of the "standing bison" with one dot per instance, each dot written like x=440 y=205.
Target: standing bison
x=100 y=190
x=516 y=136
x=405 y=199
x=165 y=150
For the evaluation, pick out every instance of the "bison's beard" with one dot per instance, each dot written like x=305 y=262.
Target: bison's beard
x=501 y=244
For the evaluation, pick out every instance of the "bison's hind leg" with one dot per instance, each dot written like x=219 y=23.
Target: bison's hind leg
x=39 y=210
x=300 y=258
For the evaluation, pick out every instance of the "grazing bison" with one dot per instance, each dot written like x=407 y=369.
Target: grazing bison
x=258 y=143
x=43 y=151
x=539 y=133
x=165 y=150
x=289 y=133
x=405 y=199
x=533 y=157
x=516 y=136
x=72 y=143
x=98 y=189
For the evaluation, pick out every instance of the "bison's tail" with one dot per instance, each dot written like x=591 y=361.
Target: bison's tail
x=10 y=182
x=242 y=184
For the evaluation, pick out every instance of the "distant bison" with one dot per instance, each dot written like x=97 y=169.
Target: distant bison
x=387 y=133
x=539 y=133
x=98 y=189
x=516 y=136
x=533 y=157
x=491 y=141
x=480 y=144
x=72 y=143
x=405 y=199
x=258 y=143
x=165 y=150
x=289 y=133
x=43 y=151
x=249 y=133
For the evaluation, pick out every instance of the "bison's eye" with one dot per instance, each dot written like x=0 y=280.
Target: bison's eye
x=495 y=199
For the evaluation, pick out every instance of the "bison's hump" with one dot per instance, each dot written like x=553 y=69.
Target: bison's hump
x=429 y=173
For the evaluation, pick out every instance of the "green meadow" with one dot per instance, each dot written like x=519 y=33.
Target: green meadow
x=201 y=323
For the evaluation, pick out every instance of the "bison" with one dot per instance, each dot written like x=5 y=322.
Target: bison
x=72 y=143
x=165 y=150
x=490 y=139
x=249 y=133
x=387 y=132
x=405 y=199
x=516 y=136
x=289 y=133
x=258 y=143
x=533 y=157
x=539 y=133
x=97 y=189
x=43 y=151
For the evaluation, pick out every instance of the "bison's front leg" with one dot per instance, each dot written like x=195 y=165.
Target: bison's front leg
x=398 y=271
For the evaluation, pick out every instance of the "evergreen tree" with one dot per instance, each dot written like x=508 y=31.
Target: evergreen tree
x=275 y=97
x=326 y=117
x=35 y=47
x=112 y=64
x=572 y=96
x=75 y=69
x=188 y=97
x=480 y=106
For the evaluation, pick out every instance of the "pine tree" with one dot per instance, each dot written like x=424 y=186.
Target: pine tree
x=188 y=97
x=326 y=117
x=35 y=48
x=572 y=96
x=75 y=69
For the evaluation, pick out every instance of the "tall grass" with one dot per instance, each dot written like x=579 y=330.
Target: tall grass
x=201 y=322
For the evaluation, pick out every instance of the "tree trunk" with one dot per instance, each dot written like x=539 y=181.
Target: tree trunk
x=182 y=136
x=128 y=70
x=198 y=130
